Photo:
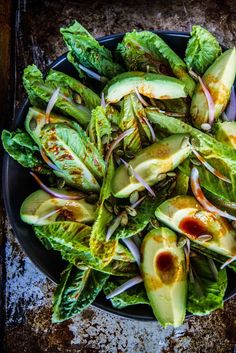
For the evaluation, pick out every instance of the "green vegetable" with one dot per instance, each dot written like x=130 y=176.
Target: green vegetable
x=19 y=145
x=132 y=116
x=182 y=184
x=77 y=290
x=202 y=50
x=73 y=153
x=133 y=296
x=102 y=249
x=72 y=240
x=84 y=49
x=100 y=129
x=144 y=213
x=140 y=49
x=40 y=91
x=219 y=155
x=205 y=293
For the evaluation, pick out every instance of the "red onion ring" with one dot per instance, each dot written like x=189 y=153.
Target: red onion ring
x=130 y=283
x=117 y=141
x=51 y=103
x=49 y=163
x=231 y=109
x=130 y=244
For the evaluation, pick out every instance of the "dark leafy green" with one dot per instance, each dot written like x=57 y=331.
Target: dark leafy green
x=205 y=293
x=202 y=50
x=20 y=146
x=85 y=50
x=77 y=290
x=133 y=296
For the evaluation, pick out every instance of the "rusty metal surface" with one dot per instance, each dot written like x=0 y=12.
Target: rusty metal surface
x=28 y=328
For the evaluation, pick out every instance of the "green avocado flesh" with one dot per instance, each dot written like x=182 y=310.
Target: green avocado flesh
x=39 y=204
x=159 y=158
x=219 y=79
x=164 y=273
x=185 y=215
x=149 y=84
x=226 y=133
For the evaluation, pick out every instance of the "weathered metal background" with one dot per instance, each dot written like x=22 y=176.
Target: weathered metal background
x=27 y=292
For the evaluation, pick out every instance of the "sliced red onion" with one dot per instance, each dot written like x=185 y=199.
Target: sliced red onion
x=198 y=193
x=137 y=240
x=150 y=128
x=48 y=215
x=103 y=102
x=93 y=74
x=56 y=193
x=49 y=163
x=231 y=109
x=113 y=227
x=139 y=178
x=187 y=254
x=229 y=261
x=210 y=168
x=51 y=103
x=134 y=205
x=142 y=100
x=130 y=283
x=210 y=102
x=117 y=141
x=130 y=244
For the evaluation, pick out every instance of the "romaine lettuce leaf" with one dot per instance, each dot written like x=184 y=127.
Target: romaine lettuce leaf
x=72 y=240
x=132 y=113
x=100 y=129
x=133 y=296
x=144 y=214
x=88 y=52
x=205 y=293
x=202 y=50
x=77 y=290
x=40 y=91
x=140 y=49
x=102 y=249
x=73 y=153
x=219 y=155
x=20 y=146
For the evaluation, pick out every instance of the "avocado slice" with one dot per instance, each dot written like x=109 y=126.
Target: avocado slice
x=39 y=204
x=164 y=273
x=149 y=84
x=219 y=79
x=226 y=133
x=185 y=215
x=158 y=158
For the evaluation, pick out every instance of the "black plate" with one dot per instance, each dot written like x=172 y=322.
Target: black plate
x=18 y=184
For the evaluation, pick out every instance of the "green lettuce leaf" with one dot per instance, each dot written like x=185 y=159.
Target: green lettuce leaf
x=73 y=153
x=40 y=91
x=72 y=240
x=132 y=114
x=219 y=155
x=102 y=249
x=77 y=290
x=213 y=255
x=142 y=49
x=20 y=146
x=202 y=50
x=100 y=129
x=133 y=296
x=144 y=214
x=205 y=293
x=87 y=51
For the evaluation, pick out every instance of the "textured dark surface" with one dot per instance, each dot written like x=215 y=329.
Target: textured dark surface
x=27 y=292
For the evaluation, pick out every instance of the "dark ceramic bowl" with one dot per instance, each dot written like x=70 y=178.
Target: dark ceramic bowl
x=18 y=184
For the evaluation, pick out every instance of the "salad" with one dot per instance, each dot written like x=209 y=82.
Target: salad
x=137 y=181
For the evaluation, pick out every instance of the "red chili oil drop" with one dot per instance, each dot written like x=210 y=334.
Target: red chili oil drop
x=192 y=227
x=164 y=261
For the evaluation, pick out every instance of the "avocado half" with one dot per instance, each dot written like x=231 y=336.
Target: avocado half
x=149 y=84
x=39 y=204
x=165 y=278
x=149 y=163
x=185 y=215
